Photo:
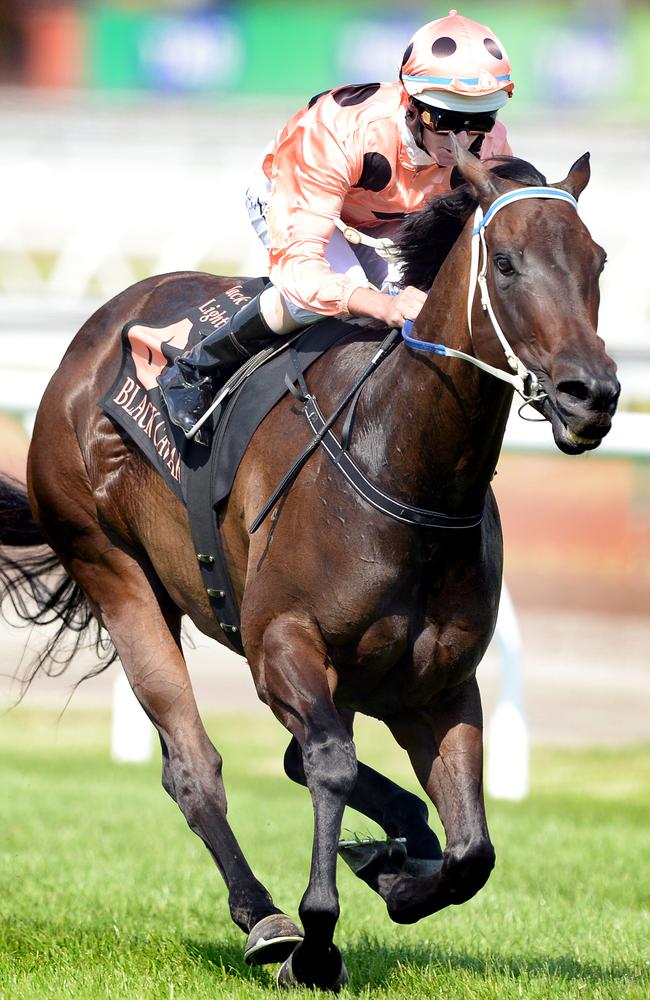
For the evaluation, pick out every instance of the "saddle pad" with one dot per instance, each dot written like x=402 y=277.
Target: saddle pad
x=134 y=401
x=202 y=477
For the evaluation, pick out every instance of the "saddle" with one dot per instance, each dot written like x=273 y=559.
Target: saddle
x=201 y=477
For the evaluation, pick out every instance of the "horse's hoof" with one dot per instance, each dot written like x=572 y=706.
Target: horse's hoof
x=272 y=939
x=369 y=858
x=423 y=866
x=333 y=979
x=411 y=897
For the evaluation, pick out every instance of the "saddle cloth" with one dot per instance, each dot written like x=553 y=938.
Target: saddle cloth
x=202 y=477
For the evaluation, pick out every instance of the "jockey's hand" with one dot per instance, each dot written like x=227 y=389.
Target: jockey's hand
x=393 y=310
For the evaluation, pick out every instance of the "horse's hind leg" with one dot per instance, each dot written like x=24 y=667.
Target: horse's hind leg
x=292 y=677
x=156 y=669
x=444 y=743
x=145 y=628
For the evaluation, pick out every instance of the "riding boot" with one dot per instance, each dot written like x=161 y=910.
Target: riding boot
x=190 y=384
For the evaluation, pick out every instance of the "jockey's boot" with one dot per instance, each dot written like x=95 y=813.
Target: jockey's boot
x=190 y=384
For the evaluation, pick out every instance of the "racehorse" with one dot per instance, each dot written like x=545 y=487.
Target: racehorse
x=343 y=608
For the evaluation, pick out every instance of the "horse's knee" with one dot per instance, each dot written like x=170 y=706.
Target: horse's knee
x=331 y=764
x=467 y=867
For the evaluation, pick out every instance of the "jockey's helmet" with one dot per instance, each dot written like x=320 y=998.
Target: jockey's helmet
x=457 y=64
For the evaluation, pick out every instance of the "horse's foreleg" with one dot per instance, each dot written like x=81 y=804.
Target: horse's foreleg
x=444 y=743
x=398 y=812
x=294 y=682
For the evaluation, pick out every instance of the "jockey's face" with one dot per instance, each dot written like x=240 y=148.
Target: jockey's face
x=442 y=120
x=436 y=144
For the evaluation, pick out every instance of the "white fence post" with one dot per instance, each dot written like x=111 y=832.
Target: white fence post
x=131 y=730
x=508 y=745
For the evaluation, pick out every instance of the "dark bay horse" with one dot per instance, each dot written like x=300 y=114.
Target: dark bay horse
x=343 y=609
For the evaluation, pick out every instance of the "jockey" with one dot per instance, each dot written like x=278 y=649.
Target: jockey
x=360 y=156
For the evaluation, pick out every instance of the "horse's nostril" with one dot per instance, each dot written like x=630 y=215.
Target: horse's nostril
x=613 y=397
x=599 y=395
x=572 y=387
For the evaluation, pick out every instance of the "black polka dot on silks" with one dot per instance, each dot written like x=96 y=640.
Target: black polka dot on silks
x=493 y=48
x=407 y=53
x=346 y=97
x=317 y=97
x=376 y=172
x=443 y=47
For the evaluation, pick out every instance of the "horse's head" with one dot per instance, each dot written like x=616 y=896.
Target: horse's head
x=542 y=273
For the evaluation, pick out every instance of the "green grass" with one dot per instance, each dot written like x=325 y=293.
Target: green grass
x=106 y=893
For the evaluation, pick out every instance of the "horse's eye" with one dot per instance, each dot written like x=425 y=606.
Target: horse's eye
x=503 y=264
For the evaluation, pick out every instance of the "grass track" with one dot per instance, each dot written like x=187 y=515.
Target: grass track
x=106 y=893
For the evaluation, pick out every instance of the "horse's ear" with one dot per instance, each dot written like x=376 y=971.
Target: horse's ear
x=475 y=173
x=578 y=177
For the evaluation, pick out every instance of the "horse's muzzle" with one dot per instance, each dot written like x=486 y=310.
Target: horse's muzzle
x=581 y=407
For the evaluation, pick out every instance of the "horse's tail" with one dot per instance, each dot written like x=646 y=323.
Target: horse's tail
x=17 y=526
x=40 y=591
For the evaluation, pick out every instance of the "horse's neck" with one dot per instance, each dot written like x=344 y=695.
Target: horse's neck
x=442 y=420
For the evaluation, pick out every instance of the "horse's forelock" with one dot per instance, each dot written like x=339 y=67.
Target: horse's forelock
x=426 y=237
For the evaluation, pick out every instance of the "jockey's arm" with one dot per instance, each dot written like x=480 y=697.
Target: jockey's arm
x=313 y=172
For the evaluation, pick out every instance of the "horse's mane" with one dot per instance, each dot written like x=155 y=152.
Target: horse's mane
x=426 y=237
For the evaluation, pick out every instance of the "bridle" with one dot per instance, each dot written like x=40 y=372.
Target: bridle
x=519 y=377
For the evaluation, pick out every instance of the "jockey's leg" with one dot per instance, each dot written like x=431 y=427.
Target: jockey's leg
x=189 y=385
x=280 y=316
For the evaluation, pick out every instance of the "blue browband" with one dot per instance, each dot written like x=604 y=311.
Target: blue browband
x=521 y=195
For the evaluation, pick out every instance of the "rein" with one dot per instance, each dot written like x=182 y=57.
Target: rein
x=522 y=379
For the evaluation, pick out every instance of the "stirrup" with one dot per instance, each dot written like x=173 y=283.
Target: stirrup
x=197 y=432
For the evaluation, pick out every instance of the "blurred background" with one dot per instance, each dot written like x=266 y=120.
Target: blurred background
x=127 y=131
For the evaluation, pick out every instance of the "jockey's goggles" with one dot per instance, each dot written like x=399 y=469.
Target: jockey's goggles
x=443 y=122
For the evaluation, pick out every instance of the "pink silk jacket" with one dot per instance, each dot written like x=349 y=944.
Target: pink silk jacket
x=343 y=156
